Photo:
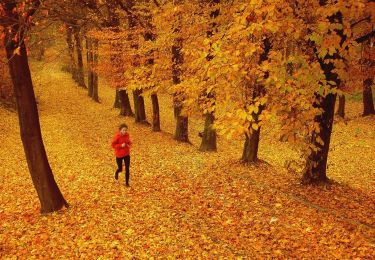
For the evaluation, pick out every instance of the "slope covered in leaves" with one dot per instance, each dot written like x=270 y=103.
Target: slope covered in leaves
x=182 y=203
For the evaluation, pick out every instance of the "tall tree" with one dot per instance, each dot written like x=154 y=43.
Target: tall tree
x=92 y=61
x=149 y=64
x=368 y=67
x=341 y=108
x=78 y=45
x=16 y=22
x=209 y=133
x=139 y=103
x=182 y=121
x=368 y=102
x=316 y=164
x=70 y=43
x=366 y=30
x=250 y=150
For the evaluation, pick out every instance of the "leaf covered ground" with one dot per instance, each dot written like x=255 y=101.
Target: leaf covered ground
x=182 y=203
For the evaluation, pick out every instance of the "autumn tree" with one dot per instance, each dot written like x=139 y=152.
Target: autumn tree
x=331 y=55
x=367 y=61
x=209 y=133
x=7 y=97
x=16 y=18
x=77 y=25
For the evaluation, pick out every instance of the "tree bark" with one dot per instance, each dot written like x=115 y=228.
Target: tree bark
x=341 y=109
x=139 y=107
x=80 y=71
x=368 y=102
x=126 y=109
x=209 y=134
x=117 y=102
x=90 y=75
x=316 y=164
x=250 y=150
x=48 y=192
x=95 y=80
x=70 y=42
x=251 y=146
x=155 y=113
x=182 y=122
x=182 y=126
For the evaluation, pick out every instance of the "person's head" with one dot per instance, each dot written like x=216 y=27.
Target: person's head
x=123 y=128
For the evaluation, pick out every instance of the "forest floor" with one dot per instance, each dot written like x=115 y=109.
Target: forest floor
x=182 y=202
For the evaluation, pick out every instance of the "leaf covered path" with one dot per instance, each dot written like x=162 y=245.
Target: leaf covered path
x=182 y=203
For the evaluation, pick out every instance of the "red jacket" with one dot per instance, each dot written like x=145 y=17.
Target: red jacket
x=117 y=141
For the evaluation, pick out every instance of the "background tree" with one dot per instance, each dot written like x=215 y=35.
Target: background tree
x=7 y=97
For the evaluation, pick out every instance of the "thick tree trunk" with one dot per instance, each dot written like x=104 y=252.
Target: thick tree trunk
x=139 y=107
x=341 y=109
x=117 y=102
x=250 y=151
x=80 y=71
x=182 y=126
x=90 y=74
x=251 y=146
x=155 y=113
x=48 y=192
x=316 y=165
x=126 y=109
x=368 y=102
x=70 y=42
x=182 y=122
x=209 y=134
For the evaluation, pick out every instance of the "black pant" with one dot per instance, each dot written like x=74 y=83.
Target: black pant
x=127 y=167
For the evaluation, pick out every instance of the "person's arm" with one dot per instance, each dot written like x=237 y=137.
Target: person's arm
x=115 y=143
x=129 y=142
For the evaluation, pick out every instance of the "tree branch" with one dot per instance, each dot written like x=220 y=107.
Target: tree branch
x=156 y=3
x=368 y=18
x=365 y=37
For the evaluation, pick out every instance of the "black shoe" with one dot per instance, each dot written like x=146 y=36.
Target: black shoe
x=116 y=175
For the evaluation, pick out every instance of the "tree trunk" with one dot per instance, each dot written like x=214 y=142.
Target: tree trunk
x=95 y=83
x=250 y=151
x=341 y=109
x=80 y=71
x=117 y=102
x=209 y=134
x=182 y=126
x=48 y=192
x=316 y=164
x=368 y=102
x=72 y=65
x=126 y=109
x=155 y=113
x=182 y=122
x=90 y=75
x=139 y=107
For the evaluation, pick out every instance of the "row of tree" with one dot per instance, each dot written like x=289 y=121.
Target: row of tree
x=240 y=64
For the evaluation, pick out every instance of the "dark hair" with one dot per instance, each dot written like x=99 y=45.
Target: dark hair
x=123 y=126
